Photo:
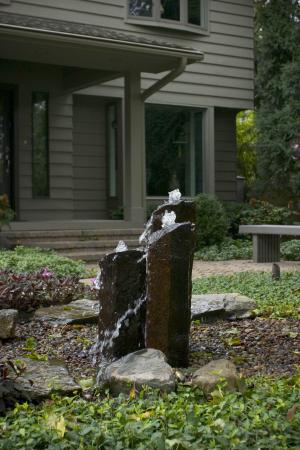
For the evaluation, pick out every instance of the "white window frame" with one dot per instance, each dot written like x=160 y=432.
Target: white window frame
x=157 y=21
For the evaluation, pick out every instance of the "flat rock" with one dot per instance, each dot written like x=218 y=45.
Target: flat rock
x=208 y=376
x=79 y=311
x=231 y=306
x=41 y=379
x=8 y=318
x=147 y=367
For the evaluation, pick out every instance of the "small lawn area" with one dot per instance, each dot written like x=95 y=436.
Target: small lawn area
x=275 y=299
x=27 y=259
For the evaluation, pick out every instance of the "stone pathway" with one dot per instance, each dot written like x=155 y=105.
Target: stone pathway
x=206 y=268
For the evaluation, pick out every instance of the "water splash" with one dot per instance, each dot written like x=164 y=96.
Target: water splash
x=121 y=247
x=111 y=335
x=174 y=196
x=168 y=219
x=97 y=282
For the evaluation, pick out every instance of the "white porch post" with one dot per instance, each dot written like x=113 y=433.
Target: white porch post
x=135 y=160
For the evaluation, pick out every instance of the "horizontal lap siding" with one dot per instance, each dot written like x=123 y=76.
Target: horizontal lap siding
x=225 y=154
x=89 y=158
x=27 y=78
x=223 y=79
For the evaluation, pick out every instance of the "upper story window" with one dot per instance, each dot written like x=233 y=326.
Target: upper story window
x=189 y=15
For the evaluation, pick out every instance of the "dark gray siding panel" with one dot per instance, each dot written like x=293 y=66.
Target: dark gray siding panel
x=89 y=158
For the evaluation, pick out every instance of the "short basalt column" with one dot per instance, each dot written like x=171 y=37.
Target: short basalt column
x=168 y=318
x=122 y=297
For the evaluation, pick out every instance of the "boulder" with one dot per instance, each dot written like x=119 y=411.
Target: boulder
x=231 y=306
x=147 y=367
x=77 y=312
x=208 y=376
x=38 y=380
x=8 y=319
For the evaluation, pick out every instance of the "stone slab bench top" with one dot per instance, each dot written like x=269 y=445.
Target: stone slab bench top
x=292 y=230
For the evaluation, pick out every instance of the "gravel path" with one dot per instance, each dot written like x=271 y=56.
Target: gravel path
x=206 y=268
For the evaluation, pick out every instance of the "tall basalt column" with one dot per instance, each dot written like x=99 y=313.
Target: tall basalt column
x=170 y=255
x=122 y=303
x=185 y=212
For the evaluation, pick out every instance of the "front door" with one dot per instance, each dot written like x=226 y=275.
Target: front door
x=6 y=142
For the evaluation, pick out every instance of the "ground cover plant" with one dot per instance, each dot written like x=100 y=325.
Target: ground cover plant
x=264 y=416
x=27 y=291
x=27 y=259
x=275 y=298
x=242 y=249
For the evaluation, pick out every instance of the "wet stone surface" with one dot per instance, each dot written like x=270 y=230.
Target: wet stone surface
x=185 y=212
x=76 y=312
x=169 y=291
x=122 y=298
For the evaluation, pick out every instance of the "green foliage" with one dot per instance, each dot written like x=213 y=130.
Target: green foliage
x=6 y=213
x=229 y=249
x=280 y=298
x=263 y=417
x=211 y=221
x=246 y=136
x=259 y=212
x=25 y=259
x=255 y=212
x=290 y=250
x=277 y=96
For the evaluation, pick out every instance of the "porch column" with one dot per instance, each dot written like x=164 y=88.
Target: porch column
x=135 y=160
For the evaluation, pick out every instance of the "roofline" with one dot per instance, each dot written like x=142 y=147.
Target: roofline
x=191 y=54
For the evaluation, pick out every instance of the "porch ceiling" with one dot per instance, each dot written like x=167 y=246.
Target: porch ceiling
x=89 y=47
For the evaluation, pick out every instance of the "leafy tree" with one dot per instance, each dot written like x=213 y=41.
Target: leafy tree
x=246 y=145
x=277 y=38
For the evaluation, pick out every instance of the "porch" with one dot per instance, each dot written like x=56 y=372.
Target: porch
x=63 y=183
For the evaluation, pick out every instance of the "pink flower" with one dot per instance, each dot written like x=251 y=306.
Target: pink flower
x=46 y=273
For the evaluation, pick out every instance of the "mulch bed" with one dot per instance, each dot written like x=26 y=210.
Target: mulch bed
x=259 y=346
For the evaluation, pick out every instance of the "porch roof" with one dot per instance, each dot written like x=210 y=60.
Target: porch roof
x=104 y=38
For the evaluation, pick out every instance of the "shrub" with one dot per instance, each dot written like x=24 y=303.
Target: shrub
x=261 y=211
x=229 y=249
x=28 y=291
x=290 y=250
x=211 y=221
x=26 y=259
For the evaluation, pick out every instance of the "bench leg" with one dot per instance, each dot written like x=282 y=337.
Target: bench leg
x=266 y=248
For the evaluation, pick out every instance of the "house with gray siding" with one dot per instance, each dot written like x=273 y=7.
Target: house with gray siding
x=105 y=106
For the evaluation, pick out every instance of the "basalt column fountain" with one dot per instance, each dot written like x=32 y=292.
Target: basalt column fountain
x=168 y=317
x=122 y=293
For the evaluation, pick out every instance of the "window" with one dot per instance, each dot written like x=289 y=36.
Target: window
x=184 y=14
x=40 y=145
x=173 y=150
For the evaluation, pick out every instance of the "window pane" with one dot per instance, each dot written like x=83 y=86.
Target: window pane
x=194 y=12
x=112 y=148
x=171 y=150
x=142 y=8
x=40 y=156
x=170 y=9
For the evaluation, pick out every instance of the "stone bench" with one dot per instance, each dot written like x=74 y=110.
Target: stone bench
x=266 y=240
